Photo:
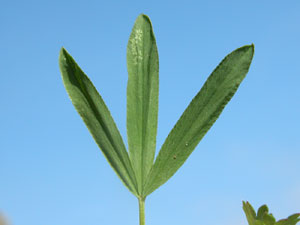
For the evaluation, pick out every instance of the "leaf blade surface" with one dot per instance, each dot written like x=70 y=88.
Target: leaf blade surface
x=95 y=114
x=142 y=97
x=199 y=116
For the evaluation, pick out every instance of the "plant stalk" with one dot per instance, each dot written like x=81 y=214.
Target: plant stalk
x=142 y=210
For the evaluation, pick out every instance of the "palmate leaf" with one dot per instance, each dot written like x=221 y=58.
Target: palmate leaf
x=199 y=116
x=142 y=97
x=97 y=118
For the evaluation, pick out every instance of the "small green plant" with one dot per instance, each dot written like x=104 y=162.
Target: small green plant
x=263 y=217
x=136 y=168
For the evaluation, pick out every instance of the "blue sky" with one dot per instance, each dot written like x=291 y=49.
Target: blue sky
x=52 y=172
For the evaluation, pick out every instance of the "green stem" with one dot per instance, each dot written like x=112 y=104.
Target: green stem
x=142 y=210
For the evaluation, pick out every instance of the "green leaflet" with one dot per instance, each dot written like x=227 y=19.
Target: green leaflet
x=199 y=116
x=142 y=97
x=291 y=220
x=250 y=213
x=263 y=216
x=97 y=118
x=261 y=211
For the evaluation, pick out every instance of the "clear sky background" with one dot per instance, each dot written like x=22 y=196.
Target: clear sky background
x=51 y=170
